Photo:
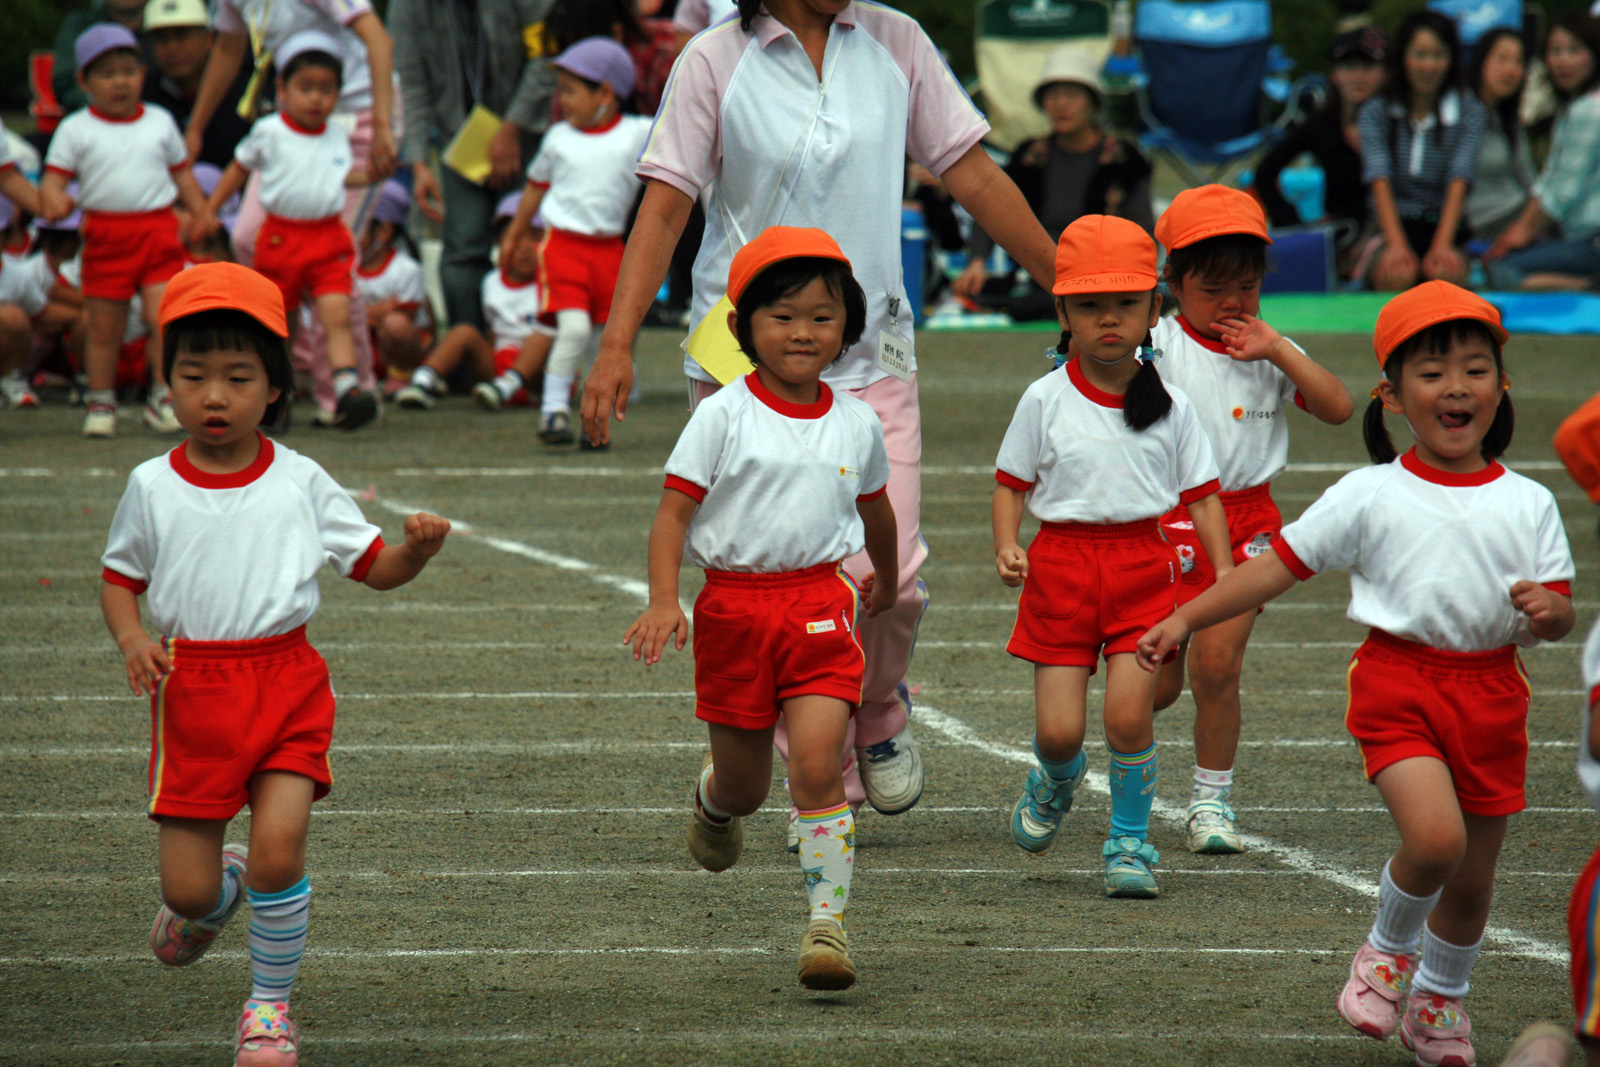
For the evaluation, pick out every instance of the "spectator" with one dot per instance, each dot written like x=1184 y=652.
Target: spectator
x=1566 y=193
x=651 y=43
x=64 y=75
x=1505 y=173
x=453 y=55
x=179 y=36
x=1079 y=169
x=1419 y=146
x=1332 y=136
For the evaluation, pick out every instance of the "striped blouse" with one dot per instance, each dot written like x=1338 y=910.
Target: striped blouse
x=1420 y=158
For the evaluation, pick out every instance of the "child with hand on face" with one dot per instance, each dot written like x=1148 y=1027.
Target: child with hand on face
x=1455 y=562
x=775 y=481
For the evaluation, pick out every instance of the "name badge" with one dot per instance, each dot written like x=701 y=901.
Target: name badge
x=894 y=354
x=823 y=627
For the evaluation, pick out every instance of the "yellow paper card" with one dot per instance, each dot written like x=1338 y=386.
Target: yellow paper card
x=468 y=151
x=713 y=346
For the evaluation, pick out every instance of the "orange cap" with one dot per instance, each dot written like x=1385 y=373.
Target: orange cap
x=777 y=243
x=1210 y=211
x=1104 y=254
x=228 y=286
x=1427 y=305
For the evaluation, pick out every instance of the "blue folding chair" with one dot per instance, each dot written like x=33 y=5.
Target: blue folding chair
x=1205 y=67
x=1474 y=18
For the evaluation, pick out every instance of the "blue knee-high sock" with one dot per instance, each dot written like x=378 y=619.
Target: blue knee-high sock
x=277 y=939
x=1061 y=770
x=1133 y=788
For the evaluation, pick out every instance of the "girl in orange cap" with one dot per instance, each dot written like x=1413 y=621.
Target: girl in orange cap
x=776 y=623
x=1454 y=563
x=1098 y=453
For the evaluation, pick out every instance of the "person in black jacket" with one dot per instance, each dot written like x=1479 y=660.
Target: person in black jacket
x=1079 y=169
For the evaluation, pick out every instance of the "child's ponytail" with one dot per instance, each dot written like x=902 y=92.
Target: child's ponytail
x=1376 y=435
x=1146 y=400
x=1498 y=439
x=1438 y=338
x=747 y=13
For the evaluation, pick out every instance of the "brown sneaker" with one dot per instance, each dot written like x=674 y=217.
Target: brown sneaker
x=714 y=845
x=824 y=962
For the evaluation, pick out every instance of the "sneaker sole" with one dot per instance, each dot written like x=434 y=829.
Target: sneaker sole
x=1217 y=845
x=486 y=401
x=888 y=805
x=1030 y=845
x=413 y=403
x=1132 y=888
x=827 y=971
x=719 y=858
x=358 y=412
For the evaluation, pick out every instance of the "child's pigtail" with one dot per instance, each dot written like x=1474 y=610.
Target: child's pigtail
x=1146 y=401
x=1375 y=434
x=747 y=13
x=1498 y=439
x=1058 y=354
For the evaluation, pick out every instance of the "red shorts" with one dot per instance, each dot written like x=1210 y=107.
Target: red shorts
x=760 y=639
x=1253 y=523
x=1583 y=929
x=578 y=272
x=125 y=251
x=303 y=256
x=1469 y=709
x=232 y=709
x=503 y=359
x=1092 y=589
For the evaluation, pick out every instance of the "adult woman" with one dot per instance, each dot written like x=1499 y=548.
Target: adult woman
x=1078 y=170
x=1419 y=145
x=802 y=113
x=1505 y=173
x=1566 y=193
x=1332 y=136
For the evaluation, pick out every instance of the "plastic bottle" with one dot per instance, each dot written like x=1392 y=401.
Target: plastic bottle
x=1122 y=28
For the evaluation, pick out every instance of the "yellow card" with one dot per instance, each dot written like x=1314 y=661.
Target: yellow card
x=468 y=151
x=713 y=346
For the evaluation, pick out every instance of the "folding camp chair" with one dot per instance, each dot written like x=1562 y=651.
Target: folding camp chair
x=1013 y=38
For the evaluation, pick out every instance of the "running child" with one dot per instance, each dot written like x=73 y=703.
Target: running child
x=390 y=280
x=775 y=625
x=1583 y=912
x=1242 y=375
x=130 y=164
x=226 y=534
x=1099 y=451
x=518 y=341
x=1454 y=563
x=582 y=182
x=305 y=164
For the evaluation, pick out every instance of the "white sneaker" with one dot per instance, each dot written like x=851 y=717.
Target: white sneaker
x=14 y=388
x=891 y=773
x=160 y=417
x=1210 y=823
x=101 y=421
x=488 y=396
x=415 y=397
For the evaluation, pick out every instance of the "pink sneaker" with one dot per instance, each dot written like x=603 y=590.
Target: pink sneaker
x=1437 y=1029
x=177 y=941
x=1374 y=997
x=267 y=1036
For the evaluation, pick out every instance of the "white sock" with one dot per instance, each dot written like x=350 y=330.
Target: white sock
x=158 y=393
x=1209 y=785
x=343 y=382
x=1445 y=968
x=573 y=330
x=1397 y=928
x=101 y=398
x=508 y=383
x=703 y=797
x=425 y=377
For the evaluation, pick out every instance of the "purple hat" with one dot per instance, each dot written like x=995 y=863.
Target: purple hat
x=101 y=38
x=507 y=209
x=303 y=42
x=394 y=204
x=599 y=59
x=207 y=175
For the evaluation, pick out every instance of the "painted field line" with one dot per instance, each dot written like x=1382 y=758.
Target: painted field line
x=386 y=606
x=930 y=470
x=1572 y=647
x=353 y=646
x=525 y=694
x=1292 y=856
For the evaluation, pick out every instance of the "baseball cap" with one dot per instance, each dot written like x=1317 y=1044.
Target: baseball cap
x=394 y=203
x=775 y=244
x=1069 y=64
x=161 y=14
x=224 y=286
x=1366 y=41
x=599 y=59
x=306 y=41
x=1104 y=254
x=100 y=38
x=1210 y=211
x=1427 y=305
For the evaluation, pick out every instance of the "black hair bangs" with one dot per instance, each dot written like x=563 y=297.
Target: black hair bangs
x=789 y=276
x=225 y=329
x=1219 y=260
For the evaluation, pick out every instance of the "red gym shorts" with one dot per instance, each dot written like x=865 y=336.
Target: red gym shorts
x=312 y=256
x=1092 y=589
x=1253 y=524
x=578 y=272
x=503 y=360
x=1469 y=709
x=232 y=709
x=1583 y=930
x=760 y=639
x=125 y=251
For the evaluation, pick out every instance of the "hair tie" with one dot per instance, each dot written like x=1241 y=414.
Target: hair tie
x=1375 y=395
x=1058 y=354
x=1148 y=354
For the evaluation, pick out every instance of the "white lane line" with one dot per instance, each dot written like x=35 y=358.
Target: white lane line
x=524 y=694
x=1294 y=857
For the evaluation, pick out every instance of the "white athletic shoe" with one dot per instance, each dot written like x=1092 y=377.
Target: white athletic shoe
x=891 y=773
x=101 y=421
x=17 y=393
x=414 y=397
x=160 y=416
x=1211 y=827
x=488 y=396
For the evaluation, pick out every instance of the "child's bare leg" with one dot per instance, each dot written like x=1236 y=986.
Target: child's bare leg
x=741 y=769
x=399 y=342
x=334 y=311
x=190 y=853
x=463 y=342
x=151 y=299
x=817 y=726
x=1060 y=696
x=1216 y=659
x=107 y=319
x=527 y=367
x=16 y=336
x=535 y=351
x=279 y=892
x=1169 y=680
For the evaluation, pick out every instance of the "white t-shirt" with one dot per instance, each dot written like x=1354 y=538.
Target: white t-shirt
x=1588 y=766
x=777 y=483
x=736 y=123
x=1432 y=555
x=234 y=557
x=302 y=171
x=278 y=20
x=122 y=165
x=588 y=175
x=511 y=310
x=26 y=281
x=1069 y=448
x=398 y=278
x=1241 y=405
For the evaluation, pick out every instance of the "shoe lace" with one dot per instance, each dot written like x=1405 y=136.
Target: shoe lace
x=883 y=750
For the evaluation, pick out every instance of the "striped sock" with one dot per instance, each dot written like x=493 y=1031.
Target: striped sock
x=230 y=893
x=1133 y=787
x=277 y=939
x=827 y=858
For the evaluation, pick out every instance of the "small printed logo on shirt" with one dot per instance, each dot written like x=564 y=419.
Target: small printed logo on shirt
x=823 y=627
x=849 y=472
x=1241 y=415
x=1186 y=557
